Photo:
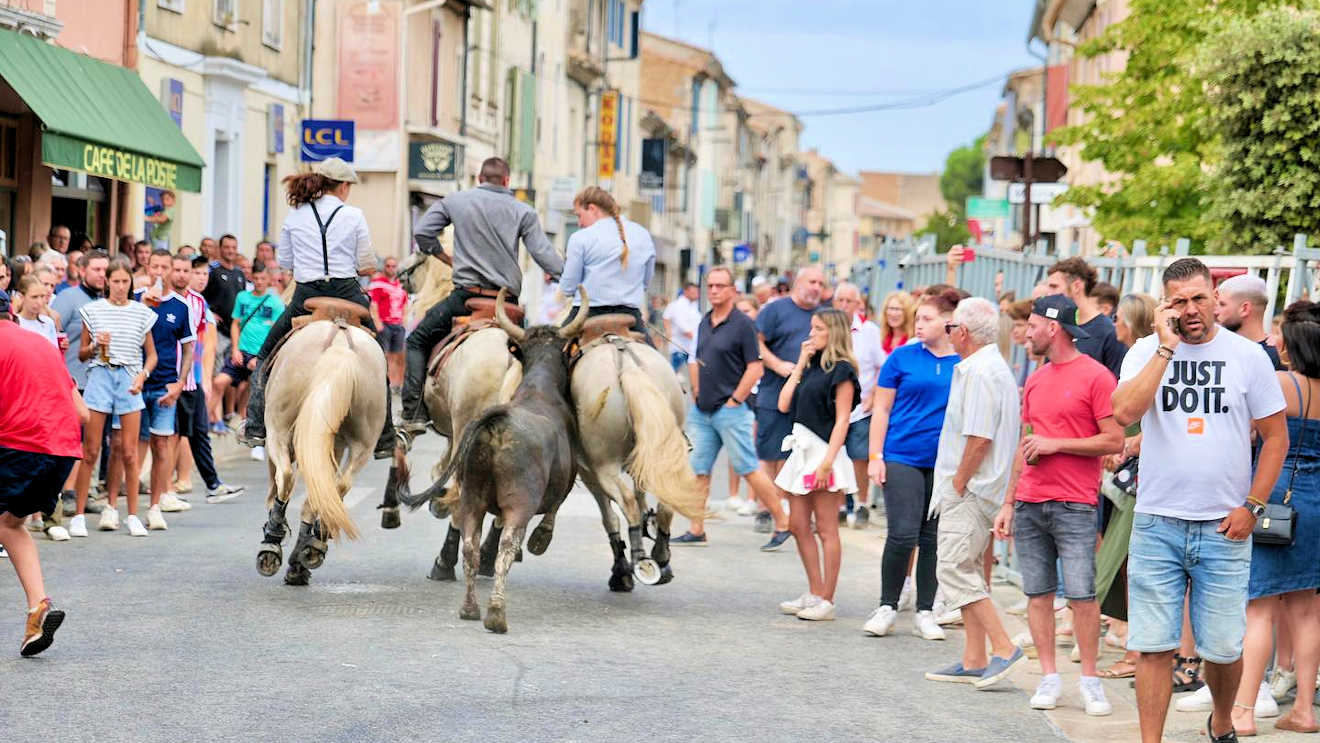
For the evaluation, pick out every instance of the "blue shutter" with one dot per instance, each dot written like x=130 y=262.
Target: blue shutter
x=609 y=21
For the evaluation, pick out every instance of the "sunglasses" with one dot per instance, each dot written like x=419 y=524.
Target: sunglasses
x=949 y=326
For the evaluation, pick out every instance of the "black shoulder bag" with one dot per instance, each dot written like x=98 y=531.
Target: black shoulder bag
x=1278 y=526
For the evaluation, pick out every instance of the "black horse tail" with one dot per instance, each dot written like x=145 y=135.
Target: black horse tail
x=466 y=450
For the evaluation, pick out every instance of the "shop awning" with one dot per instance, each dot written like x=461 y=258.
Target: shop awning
x=98 y=118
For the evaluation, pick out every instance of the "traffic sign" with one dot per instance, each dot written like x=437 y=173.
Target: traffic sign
x=742 y=253
x=1041 y=193
x=981 y=208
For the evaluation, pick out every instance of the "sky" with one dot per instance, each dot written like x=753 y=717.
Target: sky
x=808 y=55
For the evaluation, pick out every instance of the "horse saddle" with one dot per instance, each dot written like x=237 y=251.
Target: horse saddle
x=482 y=317
x=332 y=308
x=603 y=325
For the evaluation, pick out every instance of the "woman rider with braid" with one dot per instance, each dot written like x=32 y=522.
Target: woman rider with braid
x=612 y=257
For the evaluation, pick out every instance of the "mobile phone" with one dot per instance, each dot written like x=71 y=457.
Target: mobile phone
x=809 y=481
x=1176 y=324
x=968 y=255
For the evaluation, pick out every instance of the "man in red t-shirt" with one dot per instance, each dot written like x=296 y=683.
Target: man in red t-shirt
x=389 y=302
x=40 y=441
x=1050 y=509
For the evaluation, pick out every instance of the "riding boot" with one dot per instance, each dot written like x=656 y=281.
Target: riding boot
x=385 y=444
x=414 y=417
x=253 y=433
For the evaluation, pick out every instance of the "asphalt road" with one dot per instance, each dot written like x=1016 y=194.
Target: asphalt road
x=177 y=638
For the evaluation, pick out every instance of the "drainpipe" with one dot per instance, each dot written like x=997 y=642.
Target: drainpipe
x=309 y=53
x=531 y=169
x=463 y=93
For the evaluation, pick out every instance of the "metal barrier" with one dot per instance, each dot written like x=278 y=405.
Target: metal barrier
x=910 y=264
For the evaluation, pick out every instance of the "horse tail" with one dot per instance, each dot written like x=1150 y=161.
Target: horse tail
x=659 y=460
x=322 y=413
x=469 y=451
x=512 y=379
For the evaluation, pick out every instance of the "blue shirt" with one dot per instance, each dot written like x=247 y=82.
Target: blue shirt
x=172 y=328
x=920 y=381
x=593 y=262
x=784 y=325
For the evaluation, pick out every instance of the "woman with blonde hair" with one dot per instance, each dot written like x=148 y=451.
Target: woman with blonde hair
x=820 y=393
x=613 y=258
x=897 y=320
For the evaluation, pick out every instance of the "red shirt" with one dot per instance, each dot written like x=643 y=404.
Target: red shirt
x=389 y=297
x=36 y=409
x=1065 y=401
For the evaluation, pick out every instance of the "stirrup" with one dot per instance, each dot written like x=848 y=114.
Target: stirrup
x=412 y=426
x=248 y=439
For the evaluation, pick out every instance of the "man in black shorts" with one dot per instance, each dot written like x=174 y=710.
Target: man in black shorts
x=40 y=440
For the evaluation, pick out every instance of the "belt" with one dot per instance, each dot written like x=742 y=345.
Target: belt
x=482 y=291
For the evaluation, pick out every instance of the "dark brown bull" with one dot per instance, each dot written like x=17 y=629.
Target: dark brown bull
x=515 y=460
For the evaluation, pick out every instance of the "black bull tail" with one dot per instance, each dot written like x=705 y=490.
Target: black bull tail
x=468 y=447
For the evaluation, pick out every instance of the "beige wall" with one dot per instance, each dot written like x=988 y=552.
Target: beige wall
x=195 y=29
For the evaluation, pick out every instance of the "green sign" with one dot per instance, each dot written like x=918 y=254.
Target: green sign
x=62 y=151
x=979 y=208
x=434 y=161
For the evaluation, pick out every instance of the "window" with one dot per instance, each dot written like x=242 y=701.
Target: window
x=272 y=23
x=225 y=13
x=174 y=5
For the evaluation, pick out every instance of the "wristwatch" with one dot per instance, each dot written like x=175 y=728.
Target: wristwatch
x=1257 y=509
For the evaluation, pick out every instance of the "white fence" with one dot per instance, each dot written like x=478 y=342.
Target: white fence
x=909 y=264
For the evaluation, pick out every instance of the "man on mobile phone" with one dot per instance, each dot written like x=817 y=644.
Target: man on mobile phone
x=1198 y=391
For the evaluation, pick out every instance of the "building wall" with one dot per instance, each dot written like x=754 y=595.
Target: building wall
x=102 y=29
x=196 y=29
x=919 y=193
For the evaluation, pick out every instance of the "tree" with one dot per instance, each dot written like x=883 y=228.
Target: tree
x=1262 y=81
x=1147 y=125
x=964 y=175
x=948 y=227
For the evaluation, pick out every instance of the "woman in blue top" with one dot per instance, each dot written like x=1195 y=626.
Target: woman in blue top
x=908 y=411
x=613 y=259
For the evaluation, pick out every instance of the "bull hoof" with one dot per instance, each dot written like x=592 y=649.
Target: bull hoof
x=539 y=541
x=469 y=612
x=622 y=583
x=389 y=518
x=442 y=572
x=438 y=509
x=496 y=621
x=666 y=575
x=269 y=559
x=297 y=575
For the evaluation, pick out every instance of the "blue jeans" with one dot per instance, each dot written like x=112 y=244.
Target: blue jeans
x=729 y=427
x=107 y=390
x=1164 y=556
x=157 y=419
x=1055 y=540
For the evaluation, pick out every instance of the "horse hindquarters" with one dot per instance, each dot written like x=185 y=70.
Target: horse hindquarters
x=323 y=412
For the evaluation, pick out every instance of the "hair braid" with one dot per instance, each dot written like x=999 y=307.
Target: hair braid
x=600 y=198
x=623 y=255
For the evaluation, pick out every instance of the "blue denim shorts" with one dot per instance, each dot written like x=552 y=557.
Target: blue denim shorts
x=157 y=419
x=1167 y=554
x=771 y=428
x=1047 y=534
x=107 y=390
x=728 y=427
x=858 y=443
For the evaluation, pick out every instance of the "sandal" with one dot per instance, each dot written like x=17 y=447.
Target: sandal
x=1187 y=673
x=1121 y=669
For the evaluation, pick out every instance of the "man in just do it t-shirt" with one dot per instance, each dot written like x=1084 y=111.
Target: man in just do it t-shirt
x=1197 y=389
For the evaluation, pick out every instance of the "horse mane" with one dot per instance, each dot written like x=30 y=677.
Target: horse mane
x=435 y=280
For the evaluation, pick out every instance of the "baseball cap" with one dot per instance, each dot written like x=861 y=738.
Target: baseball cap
x=336 y=169
x=1062 y=310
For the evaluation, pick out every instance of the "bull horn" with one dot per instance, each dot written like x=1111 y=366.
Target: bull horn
x=573 y=329
x=515 y=332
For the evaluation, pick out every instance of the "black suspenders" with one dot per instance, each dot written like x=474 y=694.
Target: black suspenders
x=325 y=248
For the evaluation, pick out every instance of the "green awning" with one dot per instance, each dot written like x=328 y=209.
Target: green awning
x=98 y=118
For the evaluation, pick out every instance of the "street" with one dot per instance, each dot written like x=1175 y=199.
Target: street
x=176 y=637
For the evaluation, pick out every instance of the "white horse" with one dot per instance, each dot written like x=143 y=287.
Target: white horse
x=326 y=406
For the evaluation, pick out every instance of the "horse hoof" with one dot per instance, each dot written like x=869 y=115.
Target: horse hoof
x=622 y=583
x=666 y=575
x=389 y=518
x=297 y=576
x=495 y=621
x=469 y=612
x=313 y=557
x=269 y=559
x=442 y=572
x=647 y=571
x=539 y=541
x=438 y=509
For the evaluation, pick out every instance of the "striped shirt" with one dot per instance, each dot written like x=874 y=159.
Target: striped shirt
x=983 y=402
x=127 y=325
x=197 y=324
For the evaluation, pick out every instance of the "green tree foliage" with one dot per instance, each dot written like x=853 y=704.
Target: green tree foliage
x=1148 y=124
x=1262 y=82
x=963 y=176
x=948 y=227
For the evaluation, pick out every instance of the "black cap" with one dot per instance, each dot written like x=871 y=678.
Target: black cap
x=4 y=305
x=1060 y=309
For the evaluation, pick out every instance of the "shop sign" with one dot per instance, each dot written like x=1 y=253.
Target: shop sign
x=62 y=151
x=562 y=192
x=275 y=129
x=434 y=161
x=607 y=136
x=171 y=96
x=326 y=138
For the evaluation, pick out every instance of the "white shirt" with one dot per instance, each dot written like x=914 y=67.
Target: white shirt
x=684 y=315
x=348 y=242
x=868 y=347
x=592 y=261
x=1196 y=436
x=42 y=326
x=983 y=402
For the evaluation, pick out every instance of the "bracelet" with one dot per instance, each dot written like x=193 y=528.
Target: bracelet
x=1165 y=353
x=877 y=455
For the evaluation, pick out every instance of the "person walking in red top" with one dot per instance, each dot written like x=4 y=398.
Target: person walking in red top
x=40 y=441
x=389 y=302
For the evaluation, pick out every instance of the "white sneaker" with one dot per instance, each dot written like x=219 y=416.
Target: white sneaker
x=170 y=503
x=1093 y=697
x=223 y=493
x=952 y=616
x=135 y=527
x=109 y=520
x=927 y=627
x=908 y=596
x=749 y=508
x=1047 y=693
x=258 y=453
x=1198 y=701
x=1284 y=682
x=58 y=534
x=798 y=604
x=78 y=526
x=880 y=621
x=821 y=611
x=155 y=521
x=733 y=503
x=1265 y=704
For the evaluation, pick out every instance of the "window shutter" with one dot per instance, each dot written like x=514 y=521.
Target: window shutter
x=527 y=119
